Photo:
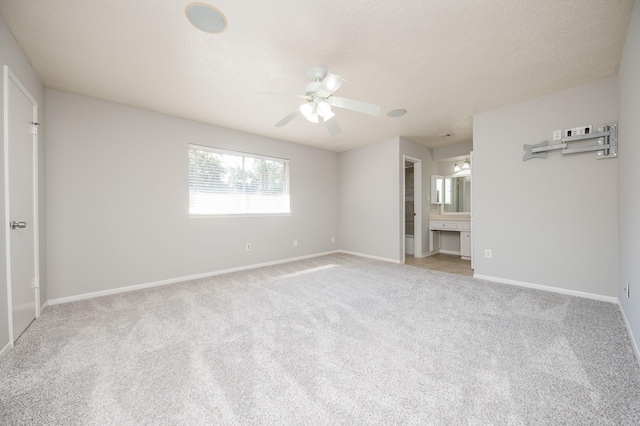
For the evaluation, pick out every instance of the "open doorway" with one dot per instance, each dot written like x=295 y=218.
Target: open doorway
x=412 y=208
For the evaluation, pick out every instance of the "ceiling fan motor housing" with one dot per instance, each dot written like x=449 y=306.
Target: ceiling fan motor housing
x=316 y=73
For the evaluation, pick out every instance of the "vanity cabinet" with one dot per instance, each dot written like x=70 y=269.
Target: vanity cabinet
x=462 y=228
x=465 y=244
x=445 y=225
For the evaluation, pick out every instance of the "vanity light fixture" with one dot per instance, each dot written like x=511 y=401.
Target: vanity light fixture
x=456 y=168
x=466 y=164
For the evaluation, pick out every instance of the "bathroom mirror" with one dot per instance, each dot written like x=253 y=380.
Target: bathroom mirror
x=437 y=189
x=457 y=195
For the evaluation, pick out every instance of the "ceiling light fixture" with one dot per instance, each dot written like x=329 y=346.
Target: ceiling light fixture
x=397 y=112
x=206 y=18
x=317 y=107
x=324 y=109
x=308 y=111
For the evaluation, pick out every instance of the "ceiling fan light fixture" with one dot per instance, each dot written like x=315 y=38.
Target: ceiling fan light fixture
x=320 y=102
x=206 y=18
x=306 y=109
x=324 y=109
x=309 y=111
x=313 y=118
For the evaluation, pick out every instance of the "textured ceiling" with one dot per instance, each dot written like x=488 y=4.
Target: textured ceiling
x=442 y=60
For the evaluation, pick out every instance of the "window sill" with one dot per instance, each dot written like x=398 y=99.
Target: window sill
x=215 y=216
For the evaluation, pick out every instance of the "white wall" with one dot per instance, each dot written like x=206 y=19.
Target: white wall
x=371 y=197
x=444 y=153
x=628 y=175
x=117 y=186
x=12 y=55
x=370 y=200
x=550 y=221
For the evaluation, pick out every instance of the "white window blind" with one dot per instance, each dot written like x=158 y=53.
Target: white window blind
x=225 y=182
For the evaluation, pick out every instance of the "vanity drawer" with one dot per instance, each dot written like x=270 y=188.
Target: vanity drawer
x=436 y=225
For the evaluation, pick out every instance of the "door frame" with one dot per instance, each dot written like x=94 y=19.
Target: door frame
x=417 y=207
x=10 y=76
x=471 y=215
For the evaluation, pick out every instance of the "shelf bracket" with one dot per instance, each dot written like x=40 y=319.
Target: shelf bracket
x=606 y=144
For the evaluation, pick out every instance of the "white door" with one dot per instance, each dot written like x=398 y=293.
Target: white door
x=21 y=185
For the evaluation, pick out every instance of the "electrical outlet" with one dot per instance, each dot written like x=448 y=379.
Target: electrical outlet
x=557 y=135
x=579 y=131
x=333 y=239
x=295 y=243
x=248 y=246
x=488 y=253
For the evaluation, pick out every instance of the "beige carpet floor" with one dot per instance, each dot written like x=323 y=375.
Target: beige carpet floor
x=330 y=340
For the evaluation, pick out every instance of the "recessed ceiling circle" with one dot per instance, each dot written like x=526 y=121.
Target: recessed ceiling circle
x=206 y=17
x=397 y=112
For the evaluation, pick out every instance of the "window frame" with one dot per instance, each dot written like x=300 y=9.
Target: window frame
x=243 y=155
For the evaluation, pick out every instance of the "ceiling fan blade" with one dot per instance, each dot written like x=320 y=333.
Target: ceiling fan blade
x=332 y=126
x=330 y=83
x=288 y=118
x=353 y=105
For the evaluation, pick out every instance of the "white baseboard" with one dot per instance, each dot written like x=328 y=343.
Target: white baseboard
x=634 y=344
x=429 y=253
x=384 y=259
x=457 y=253
x=6 y=349
x=593 y=296
x=423 y=255
x=177 y=280
x=44 y=307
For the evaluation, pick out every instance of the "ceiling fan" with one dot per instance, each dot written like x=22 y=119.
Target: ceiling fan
x=320 y=99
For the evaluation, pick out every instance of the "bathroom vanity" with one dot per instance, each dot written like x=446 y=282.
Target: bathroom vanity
x=450 y=229
x=462 y=229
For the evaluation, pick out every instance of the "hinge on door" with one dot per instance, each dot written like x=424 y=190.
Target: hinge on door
x=35 y=282
x=34 y=128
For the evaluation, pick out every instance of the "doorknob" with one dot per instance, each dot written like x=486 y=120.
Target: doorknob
x=15 y=224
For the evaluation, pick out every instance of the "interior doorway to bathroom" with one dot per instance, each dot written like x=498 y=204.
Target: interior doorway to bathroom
x=412 y=208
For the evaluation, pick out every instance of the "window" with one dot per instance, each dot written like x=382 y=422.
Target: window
x=228 y=183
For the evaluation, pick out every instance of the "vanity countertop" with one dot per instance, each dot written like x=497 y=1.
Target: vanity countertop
x=457 y=217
